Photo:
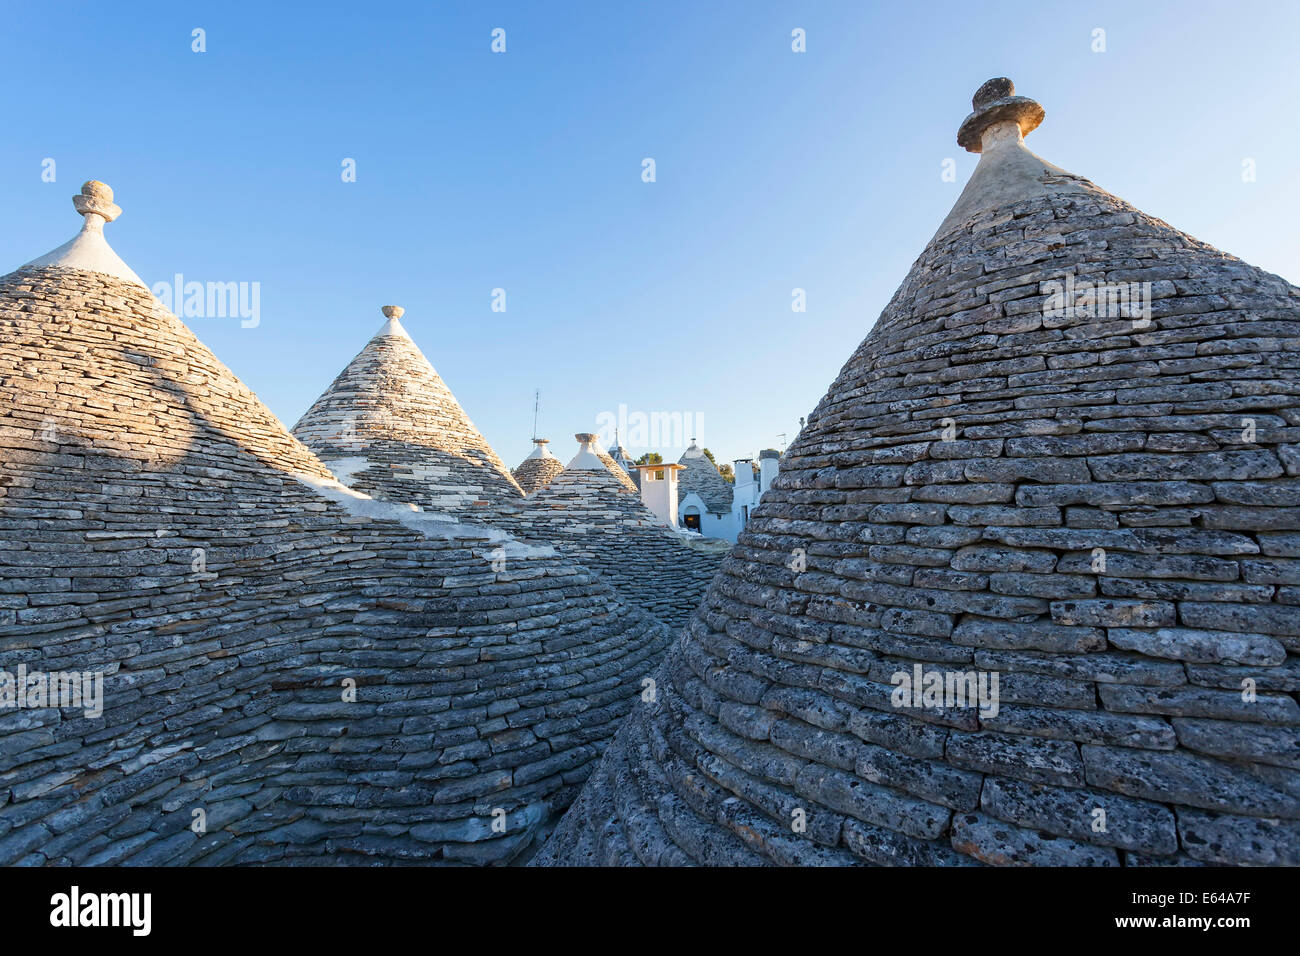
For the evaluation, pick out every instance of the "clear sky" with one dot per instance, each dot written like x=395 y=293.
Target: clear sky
x=522 y=171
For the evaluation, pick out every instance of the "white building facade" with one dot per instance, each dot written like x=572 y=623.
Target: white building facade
x=687 y=510
x=751 y=482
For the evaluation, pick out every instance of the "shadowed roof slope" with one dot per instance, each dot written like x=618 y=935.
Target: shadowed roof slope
x=1095 y=505
x=327 y=676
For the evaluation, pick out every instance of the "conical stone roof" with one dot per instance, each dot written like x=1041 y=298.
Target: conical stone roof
x=1098 y=509
x=587 y=512
x=389 y=426
x=702 y=477
x=537 y=470
x=324 y=674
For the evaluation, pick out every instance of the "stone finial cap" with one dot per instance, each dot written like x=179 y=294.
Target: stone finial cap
x=96 y=199
x=88 y=250
x=585 y=437
x=542 y=441
x=393 y=311
x=996 y=102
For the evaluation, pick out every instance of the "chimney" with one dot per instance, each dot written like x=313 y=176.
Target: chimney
x=744 y=471
x=659 y=490
x=768 y=465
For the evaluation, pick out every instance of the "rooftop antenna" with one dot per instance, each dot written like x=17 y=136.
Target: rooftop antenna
x=781 y=438
x=537 y=407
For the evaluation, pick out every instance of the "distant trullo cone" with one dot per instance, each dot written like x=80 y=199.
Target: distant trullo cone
x=323 y=674
x=588 y=512
x=537 y=470
x=389 y=426
x=1064 y=459
x=700 y=476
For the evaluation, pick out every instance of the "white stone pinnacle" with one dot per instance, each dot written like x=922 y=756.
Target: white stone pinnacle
x=1008 y=172
x=88 y=250
x=586 y=459
x=540 y=451
x=393 y=326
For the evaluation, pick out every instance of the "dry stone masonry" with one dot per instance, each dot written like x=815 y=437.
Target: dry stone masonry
x=1067 y=456
x=292 y=670
x=590 y=515
x=389 y=426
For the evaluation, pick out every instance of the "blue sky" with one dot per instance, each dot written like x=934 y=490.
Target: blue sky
x=522 y=171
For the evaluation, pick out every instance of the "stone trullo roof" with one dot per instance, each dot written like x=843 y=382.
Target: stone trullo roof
x=159 y=526
x=389 y=426
x=537 y=470
x=590 y=515
x=1100 y=511
x=702 y=477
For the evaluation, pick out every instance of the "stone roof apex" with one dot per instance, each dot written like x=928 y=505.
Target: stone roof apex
x=89 y=250
x=587 y=458
x=993 y=103
x=1008 y=172
x=541 y=451
x=393 y=313
x=592 y=457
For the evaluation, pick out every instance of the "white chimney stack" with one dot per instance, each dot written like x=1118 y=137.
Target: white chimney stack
x=768 y=465
x=659 y=490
